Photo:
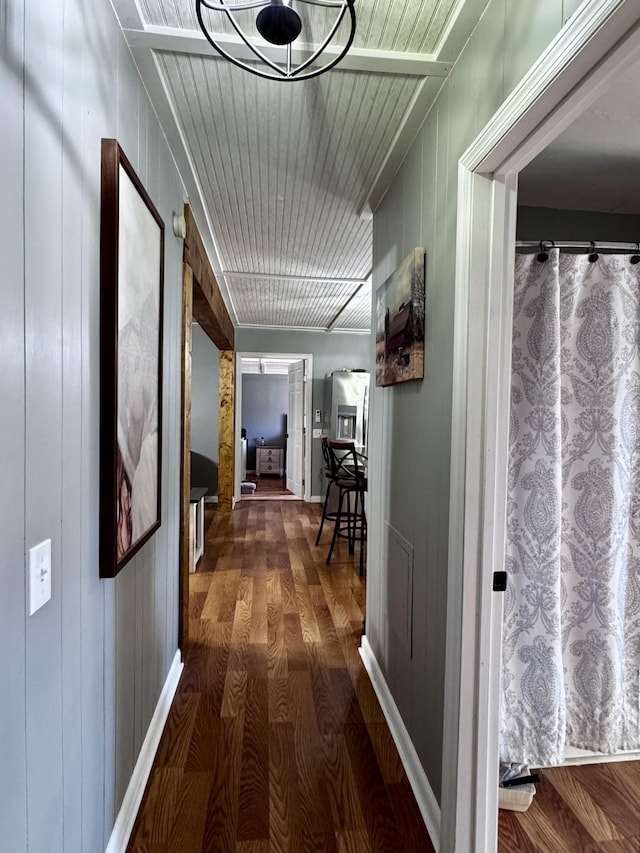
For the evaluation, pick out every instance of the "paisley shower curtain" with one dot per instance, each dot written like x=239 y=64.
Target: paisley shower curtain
x=571 y=634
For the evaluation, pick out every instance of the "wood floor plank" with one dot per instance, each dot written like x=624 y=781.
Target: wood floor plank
x=359 y=596
x=627 y=845
x=233 y=697
x=258 y=632
x=245 y=587
x=411 y=827
x=273 y=586
x=252 y=847
x=276 y=641
x=223 y=590
x=278 y=700
x=213 y=634
x=222 y=756
x=310 y=630
x=332 y=647
x=322 y=689
x=378 y=813
x=387 y=754
x=288 y=590
x=588 y=812
x=297 y=658
x=285 y=832
x=254 y=775
x=194 y=676
x=609 y=791
x=353 y=841
x=583 y=805
x=155 y=820
x=367 y=699
x=342 y=792
x=551 y=826
x=196 y=603
x=174 y=744
x=210 y=734
x=511 y=836
x=274 y=741
x=309 y=757
x=187 y=831
x=345 y=701
x=240 y=635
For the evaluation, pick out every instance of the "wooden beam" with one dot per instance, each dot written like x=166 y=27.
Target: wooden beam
x=185 y=459
x=226 y=430
x=208 y=305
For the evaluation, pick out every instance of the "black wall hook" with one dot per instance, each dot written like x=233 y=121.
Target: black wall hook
x=593 y=255
x=635 y=258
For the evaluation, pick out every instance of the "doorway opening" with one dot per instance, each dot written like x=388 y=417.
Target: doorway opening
x=272 y=412
x=580 y=192
x=601 y=41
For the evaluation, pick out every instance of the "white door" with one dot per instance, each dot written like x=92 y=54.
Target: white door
x=295 y=429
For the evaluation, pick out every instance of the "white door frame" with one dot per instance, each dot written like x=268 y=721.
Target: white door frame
x=293 y=475
x=308 y=432
x=599 y=41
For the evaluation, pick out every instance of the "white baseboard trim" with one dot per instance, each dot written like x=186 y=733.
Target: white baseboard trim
x=425 y=798
x=138 y=782
x=316 y=499
x=574 y=757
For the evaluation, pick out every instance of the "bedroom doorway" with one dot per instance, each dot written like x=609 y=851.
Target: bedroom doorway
x=600 y=42
x=581 y=193
x=273 y=452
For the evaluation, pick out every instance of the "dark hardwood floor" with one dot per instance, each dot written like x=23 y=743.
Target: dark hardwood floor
x=269 y=487
x=594 y=807
x=276 y=741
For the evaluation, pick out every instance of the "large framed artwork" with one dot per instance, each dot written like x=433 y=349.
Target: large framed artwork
x=400 y=322
x=131 y=312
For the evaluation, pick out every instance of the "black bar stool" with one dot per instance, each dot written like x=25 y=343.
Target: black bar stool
x=350 y=523
x=330 y=472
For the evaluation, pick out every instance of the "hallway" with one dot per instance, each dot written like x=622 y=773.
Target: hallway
x=276 y=741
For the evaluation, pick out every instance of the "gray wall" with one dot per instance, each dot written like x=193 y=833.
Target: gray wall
x=82 y=676
x=205 y=387
x=330 y=350
x=410 y=438
x=265 y=401
x=545 y=223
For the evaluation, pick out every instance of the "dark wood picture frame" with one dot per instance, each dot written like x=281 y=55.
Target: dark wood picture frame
x=131 y=320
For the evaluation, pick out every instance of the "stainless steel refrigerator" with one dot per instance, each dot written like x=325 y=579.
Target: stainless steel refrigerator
x=347 y=405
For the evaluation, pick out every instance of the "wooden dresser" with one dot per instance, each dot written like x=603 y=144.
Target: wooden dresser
x=269 y=460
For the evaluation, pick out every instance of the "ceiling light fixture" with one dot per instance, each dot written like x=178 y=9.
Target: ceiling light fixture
x=279 y=24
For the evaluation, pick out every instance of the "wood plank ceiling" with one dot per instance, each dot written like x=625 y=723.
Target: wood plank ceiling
x=282 y=176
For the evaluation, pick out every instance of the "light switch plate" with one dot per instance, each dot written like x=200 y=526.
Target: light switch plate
x=317 y=433
x=39 y=575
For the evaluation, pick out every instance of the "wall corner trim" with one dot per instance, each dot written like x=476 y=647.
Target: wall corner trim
x=425 y=798
x=133 y=795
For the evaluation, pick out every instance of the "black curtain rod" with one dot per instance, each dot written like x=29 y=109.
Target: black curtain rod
x=574 y=245
x=592 y=250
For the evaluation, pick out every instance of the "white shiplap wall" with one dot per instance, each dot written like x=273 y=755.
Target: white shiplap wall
x=82 y=676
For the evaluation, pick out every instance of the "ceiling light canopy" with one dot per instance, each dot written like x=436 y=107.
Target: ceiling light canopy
x=279 y=24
